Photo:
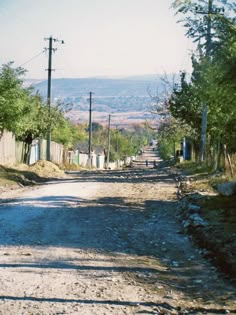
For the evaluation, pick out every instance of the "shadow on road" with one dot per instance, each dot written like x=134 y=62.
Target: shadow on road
x=107 y=225
x=163 y=306
x=120 y=176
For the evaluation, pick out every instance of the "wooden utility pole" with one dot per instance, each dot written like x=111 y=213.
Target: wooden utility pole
x=49 y=96
x=117 y=139
x=109 y=141
x=205 y=107
x=209 y=14
x=90 y=131
x=50 y=50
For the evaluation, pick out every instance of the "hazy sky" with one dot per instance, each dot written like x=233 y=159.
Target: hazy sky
x=102 y=37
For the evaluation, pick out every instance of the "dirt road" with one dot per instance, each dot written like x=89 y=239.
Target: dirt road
x=104 y=243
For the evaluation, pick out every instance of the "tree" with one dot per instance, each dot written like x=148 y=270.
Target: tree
x=66 y=133
x=33 y=122
x=170 y=134
x=96 y=127
x=213 y=78
x=185 y=103
x=12 y=96
x=200 y=23
x=20 y=111
x=123 y=142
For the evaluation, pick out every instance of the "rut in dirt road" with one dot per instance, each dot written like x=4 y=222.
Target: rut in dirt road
x=104 y=243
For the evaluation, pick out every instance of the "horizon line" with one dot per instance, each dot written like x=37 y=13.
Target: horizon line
x=104 y=77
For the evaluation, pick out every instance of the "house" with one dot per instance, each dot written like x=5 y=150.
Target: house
x=81 y=156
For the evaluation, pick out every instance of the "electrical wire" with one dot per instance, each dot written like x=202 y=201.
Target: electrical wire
x=31 y=59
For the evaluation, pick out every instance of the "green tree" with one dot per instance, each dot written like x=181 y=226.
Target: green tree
x=12 y=96
x=213 y=78
x=33 y=122
x=185 y=103
x=170 y=133
x=195 y=18
x=123 y=142
x=66 y=132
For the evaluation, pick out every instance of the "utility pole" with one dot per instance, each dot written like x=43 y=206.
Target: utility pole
x=90 y=131
x=117 y=139
x=205 y=107
x=209 y=14
x=49 y=94
x=109 y=141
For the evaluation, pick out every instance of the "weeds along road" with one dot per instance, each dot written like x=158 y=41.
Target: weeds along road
x=104 y=243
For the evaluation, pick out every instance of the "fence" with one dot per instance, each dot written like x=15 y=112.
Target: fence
x=7 y=148
x=12 y=151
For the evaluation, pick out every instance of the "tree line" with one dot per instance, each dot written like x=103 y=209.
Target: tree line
x=211 y=84
x=26 y=114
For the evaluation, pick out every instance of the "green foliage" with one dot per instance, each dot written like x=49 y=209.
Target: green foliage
x=170 y=133
x=96 y=127
x=12 y=96
x=26 y=115
x=166 y=149
x=185 y=103
x=123 y=142
x=195 y=18
x=213 y=80
x=191 y=168
x=65 y=132
x=172 y=130
x=34 y=120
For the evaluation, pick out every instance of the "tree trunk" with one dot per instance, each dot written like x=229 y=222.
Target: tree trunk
x=228 y=159
x=216 y=154
x=28 y=154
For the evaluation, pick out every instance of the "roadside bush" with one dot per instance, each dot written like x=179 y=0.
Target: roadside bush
x=190 y=167
x=166 y=150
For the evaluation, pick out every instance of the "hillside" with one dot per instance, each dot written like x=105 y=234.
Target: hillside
x=120 y=95
x=73 y=88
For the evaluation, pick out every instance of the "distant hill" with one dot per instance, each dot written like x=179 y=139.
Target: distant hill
x=72 y=88
x=116 y=95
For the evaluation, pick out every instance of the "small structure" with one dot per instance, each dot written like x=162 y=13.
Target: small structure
x=99 y=153
x=82 y=156
x=184 y=150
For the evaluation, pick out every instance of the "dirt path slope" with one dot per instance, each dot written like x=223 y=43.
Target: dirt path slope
x=104 y=243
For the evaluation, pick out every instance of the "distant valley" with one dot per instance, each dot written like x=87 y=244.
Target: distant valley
x=127 y=99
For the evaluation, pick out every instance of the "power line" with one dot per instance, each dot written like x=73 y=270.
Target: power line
x=34 y=57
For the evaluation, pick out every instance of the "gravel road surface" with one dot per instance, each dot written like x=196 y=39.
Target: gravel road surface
x=104 y=242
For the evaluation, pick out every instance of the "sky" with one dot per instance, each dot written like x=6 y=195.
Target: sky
x=103 y=38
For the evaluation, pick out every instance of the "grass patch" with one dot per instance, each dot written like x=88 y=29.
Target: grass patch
x=6 y=178
x=13 y=176
x=216 y=180
x=201 y=185
x=192 y=168
x=227 y=204
x=202 y=176
x=28 y=175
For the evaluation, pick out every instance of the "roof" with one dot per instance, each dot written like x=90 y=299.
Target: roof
x=84 y=148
